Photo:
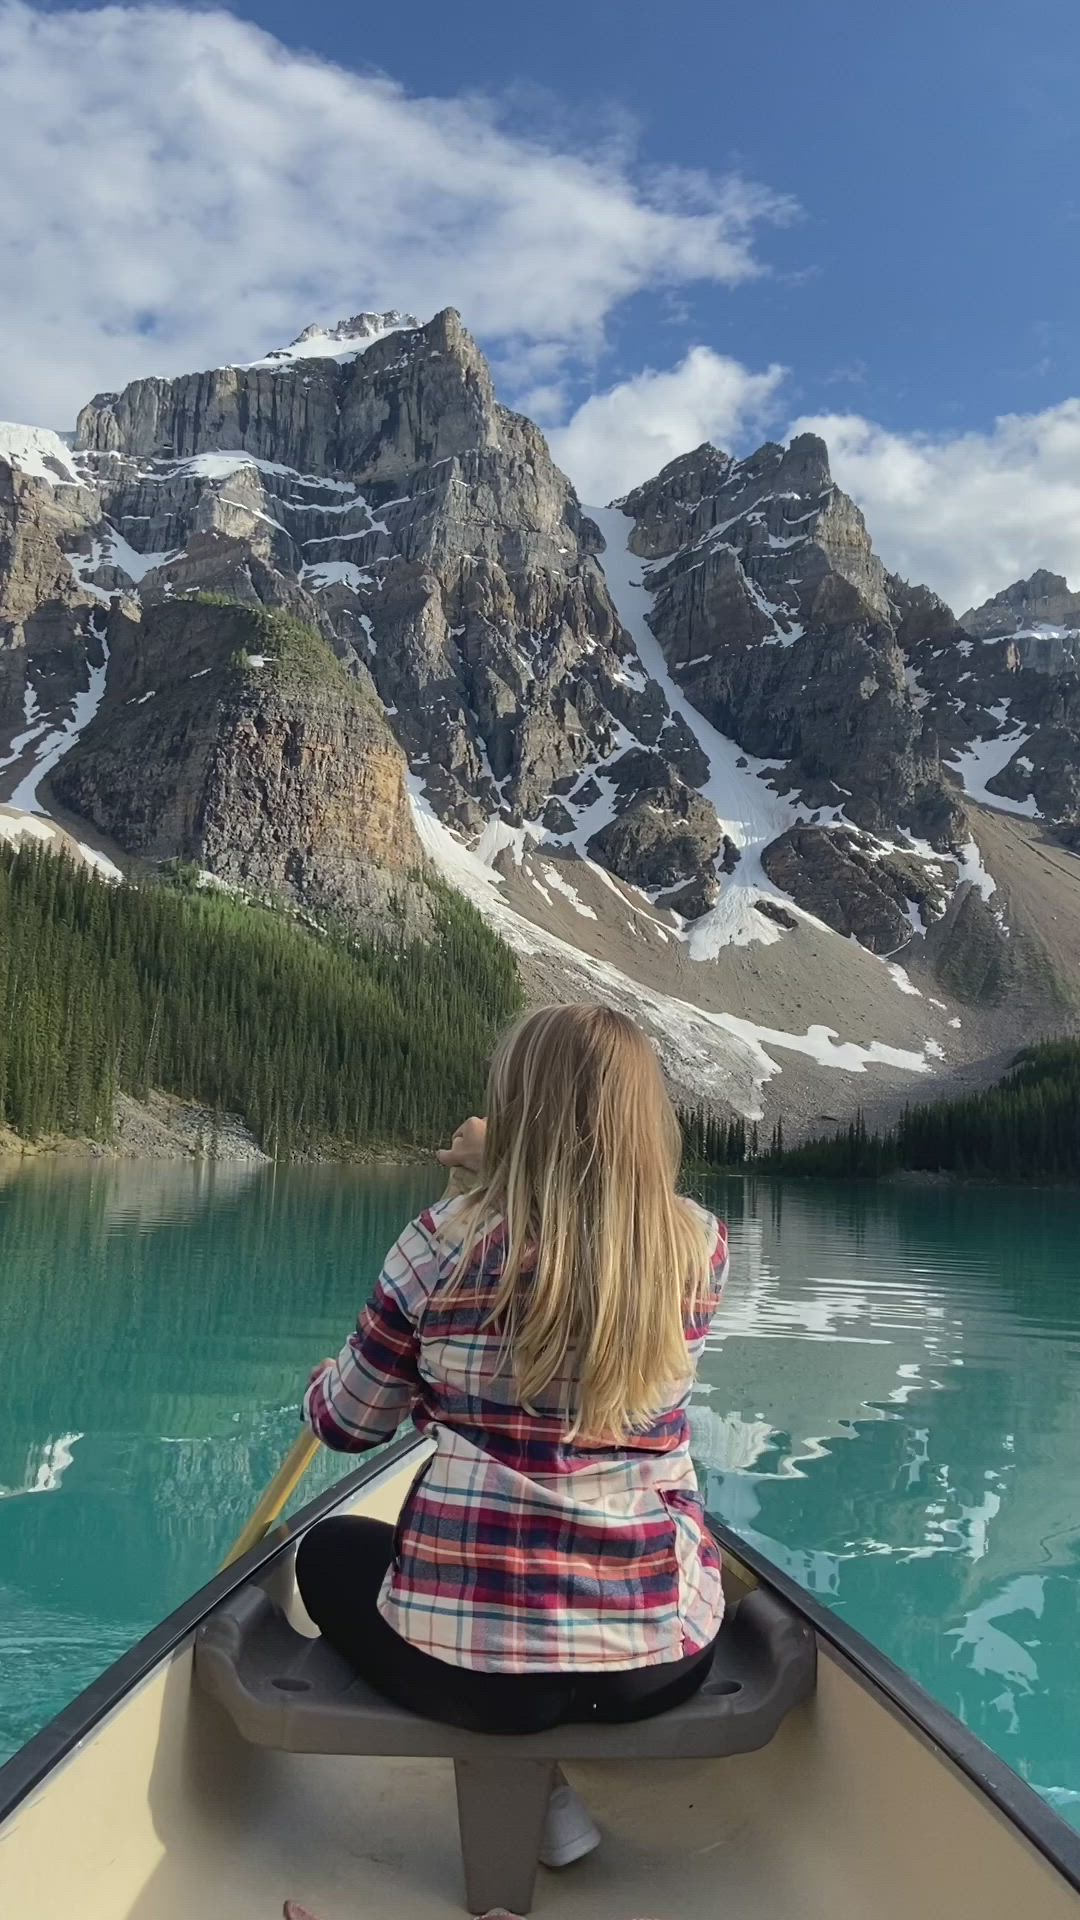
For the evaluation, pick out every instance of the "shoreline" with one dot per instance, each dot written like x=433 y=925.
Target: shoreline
x=941 y=1177
x=167 y=1130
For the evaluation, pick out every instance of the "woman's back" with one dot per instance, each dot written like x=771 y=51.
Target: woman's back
x=524 y=1547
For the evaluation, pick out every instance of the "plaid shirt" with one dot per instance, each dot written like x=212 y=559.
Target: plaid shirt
x=517 y=1551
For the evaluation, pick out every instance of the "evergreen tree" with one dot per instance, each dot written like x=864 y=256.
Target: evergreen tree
x=318 y=1040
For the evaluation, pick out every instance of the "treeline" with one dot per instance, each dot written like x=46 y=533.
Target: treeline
x=1027 y=1127
x=316 y=1040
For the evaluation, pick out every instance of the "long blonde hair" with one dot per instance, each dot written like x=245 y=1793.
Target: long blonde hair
x=602 y=1256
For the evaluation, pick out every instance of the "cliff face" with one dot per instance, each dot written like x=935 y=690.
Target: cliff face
x=236 y=741
x=773 y=610
x=1000 y=693
x=43 y=613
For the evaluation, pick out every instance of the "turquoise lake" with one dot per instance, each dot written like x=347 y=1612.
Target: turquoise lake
x=890 y=1409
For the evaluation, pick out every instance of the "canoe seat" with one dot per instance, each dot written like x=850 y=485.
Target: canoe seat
x=282 y=1689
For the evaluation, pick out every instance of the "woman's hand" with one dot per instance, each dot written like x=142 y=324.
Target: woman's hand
x=466 y=1149
x=323 y=1367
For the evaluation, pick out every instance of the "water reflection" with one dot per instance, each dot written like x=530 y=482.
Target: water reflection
x=158 y=1323
x=890 y=1413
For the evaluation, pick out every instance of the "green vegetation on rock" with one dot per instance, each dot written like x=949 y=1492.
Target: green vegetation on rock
x=319 y=1042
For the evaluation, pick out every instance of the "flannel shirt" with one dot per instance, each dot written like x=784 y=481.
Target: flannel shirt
x=517 y=1551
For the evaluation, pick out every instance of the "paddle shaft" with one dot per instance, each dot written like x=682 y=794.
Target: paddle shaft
x=277 y=1495
x=301 y=1453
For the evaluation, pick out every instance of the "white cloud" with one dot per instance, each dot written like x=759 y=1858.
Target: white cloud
x=619 y=438
x=967 y=515
x=181 y=189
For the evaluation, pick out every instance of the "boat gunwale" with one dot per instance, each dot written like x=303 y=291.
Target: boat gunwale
x=1034 y=1818
x=31 y=1764
x=1007 y=1790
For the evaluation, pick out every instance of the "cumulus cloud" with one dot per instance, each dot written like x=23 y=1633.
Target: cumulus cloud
x=969 y=514
x=181 y=189
x=623 y=436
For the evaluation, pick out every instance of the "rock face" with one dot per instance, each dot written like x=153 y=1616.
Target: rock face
x=843 y=878
x=1000 y=692
x=391 y=500
x=238 y=742
x=43 y=611
x=1026 y=608
x=774 y=614
x=667 y=837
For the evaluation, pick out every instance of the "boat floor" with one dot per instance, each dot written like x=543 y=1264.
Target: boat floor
x=377 y=1840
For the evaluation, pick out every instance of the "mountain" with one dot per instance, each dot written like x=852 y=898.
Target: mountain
x=325 y=622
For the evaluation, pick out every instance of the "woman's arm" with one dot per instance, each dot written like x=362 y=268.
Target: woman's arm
x=362 y=1397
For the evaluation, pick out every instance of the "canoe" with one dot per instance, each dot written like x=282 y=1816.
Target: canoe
x=144 y=1800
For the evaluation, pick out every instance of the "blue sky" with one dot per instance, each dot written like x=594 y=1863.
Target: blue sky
x=936 y=268
x=934 y=275
x=665 y=224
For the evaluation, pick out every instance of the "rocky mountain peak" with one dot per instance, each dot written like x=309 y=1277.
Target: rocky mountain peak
x=343 y=341
x=1043 y=601
x=804 y=463
x=682 y=483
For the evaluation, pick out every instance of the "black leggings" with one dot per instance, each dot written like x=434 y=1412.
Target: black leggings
x=340 y=1568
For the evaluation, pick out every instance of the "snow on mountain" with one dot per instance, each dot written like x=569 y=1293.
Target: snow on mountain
x=344 y=342
x=61 y=739
x=594 y=760
x=17 y=829
x=39 y=452
x=983 y=760
x=748 y=811
x=707 y=1052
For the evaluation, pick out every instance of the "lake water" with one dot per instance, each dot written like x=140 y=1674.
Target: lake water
x=890 y=1408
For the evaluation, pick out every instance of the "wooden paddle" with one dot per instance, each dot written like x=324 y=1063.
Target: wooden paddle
x=304 y=1447
x=277 y=1495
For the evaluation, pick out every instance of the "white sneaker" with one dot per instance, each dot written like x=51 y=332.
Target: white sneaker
x=569 y=1829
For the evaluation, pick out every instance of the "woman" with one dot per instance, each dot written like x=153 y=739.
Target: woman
x=552 y=1561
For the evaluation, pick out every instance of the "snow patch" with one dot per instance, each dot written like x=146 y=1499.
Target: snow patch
x=902 y=979
x=63 y=738
x=118 y=552
x=748 y=811
x=919 y=695
x=334 y=573
x=556 y=879
x=970 y=864
x=343 y=343
x=34 y=725
x=220 y=464
x=983 y=760
x=18 y=827
x=83 y=565
x=38 y=452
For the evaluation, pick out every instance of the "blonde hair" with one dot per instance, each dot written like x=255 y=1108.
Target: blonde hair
x=602 y=1256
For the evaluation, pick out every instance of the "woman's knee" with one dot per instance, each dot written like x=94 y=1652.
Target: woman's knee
x=342 y=1555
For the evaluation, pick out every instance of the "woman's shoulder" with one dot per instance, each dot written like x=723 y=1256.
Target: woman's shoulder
x=441 y=1213
x=713 y=1227
x=442 y=1229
